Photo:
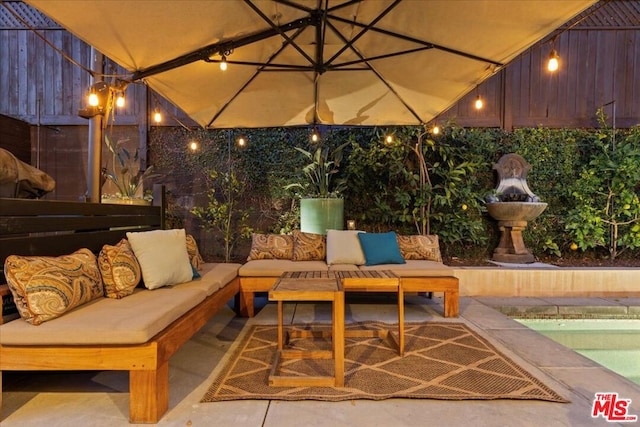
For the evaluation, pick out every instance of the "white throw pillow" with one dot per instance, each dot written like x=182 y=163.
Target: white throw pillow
x=343 y=247
x=163 y=257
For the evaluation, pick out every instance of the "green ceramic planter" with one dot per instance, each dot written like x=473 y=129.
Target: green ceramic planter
x=319 y=215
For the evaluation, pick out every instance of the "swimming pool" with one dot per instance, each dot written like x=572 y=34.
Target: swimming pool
x=613 y=343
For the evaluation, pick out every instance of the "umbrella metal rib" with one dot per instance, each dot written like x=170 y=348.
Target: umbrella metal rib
x=320 y=19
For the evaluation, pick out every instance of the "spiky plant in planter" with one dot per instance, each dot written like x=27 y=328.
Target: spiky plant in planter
x=319 y=173
x=126 y=174
x=321 y=207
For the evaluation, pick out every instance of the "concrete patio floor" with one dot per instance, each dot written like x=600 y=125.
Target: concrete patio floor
x=101 y=399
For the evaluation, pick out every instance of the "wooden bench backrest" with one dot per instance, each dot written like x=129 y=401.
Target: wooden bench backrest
x=52 y=228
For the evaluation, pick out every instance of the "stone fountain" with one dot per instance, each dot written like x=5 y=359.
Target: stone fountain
x=513 y=206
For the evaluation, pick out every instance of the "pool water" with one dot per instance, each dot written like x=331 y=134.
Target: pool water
x=613 y=343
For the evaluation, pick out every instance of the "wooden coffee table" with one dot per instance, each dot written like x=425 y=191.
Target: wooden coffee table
x=376 y=281
x=310 y=286
x=296 y=286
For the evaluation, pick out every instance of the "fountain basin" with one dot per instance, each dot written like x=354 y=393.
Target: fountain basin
x=515 y=211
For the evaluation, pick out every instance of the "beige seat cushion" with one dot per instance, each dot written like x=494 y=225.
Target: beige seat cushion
x=214 y=276
x=343 y=267
x=414 y=268
x=131 y=320
x=275 y=267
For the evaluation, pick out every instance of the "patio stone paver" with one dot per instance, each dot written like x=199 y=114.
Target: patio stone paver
x=101 y=400
x=543 y=307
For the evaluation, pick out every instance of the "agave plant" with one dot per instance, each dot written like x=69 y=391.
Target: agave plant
x=126 y=174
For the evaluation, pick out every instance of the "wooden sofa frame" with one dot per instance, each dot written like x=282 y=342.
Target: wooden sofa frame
x=449 y=285
x=37 y=227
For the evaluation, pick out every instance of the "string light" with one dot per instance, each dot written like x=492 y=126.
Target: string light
x=99 y=100
x=242 y=141
x=554 y=61
x=223 y=63
x=435 y=130
x=388 y=139
x=157 y=116
x=193 y=145
x=315 y=135
x=120 y=101
x=93 y=99
x=479 y=104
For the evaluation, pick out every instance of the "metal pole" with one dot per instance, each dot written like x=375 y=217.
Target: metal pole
x=38 y=135
x=94 y=159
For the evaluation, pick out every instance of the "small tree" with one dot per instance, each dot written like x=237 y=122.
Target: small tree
x=607 y=207
x=223 y=213
x=417 y=184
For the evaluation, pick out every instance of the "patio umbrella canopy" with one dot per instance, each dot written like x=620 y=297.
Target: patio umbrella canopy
x=301 y=62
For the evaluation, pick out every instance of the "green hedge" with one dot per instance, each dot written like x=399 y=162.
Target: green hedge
x=589 y=178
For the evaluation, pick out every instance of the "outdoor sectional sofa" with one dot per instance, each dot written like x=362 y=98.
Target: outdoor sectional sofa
x=138 y=329
x=419 y=266
x=137 y=332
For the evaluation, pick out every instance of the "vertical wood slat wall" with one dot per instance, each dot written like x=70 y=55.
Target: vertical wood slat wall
x=38 y=85
x=597 y=67
x=15 y=137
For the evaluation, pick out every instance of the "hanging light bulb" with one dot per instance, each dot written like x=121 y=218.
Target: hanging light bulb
x=388 y=139
x=157 y=116
x=223 y=63
x=120 y=99
x=242 y=141
x=435 y=130
x=193 y=145
x=315 y=135
x=479 y=104
x=554 y=61
x=93 y=99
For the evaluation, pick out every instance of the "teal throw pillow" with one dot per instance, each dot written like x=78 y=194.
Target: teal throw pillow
x=196 y=274
x=380 y=248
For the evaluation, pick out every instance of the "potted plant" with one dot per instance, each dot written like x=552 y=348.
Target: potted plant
x=126 y=175
x=321 y=207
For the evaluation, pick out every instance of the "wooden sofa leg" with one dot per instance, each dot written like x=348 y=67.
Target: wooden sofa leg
x=246 y=304
x=148 y=395
x=451 y=303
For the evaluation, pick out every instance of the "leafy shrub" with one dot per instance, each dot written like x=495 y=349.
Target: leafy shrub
x=588 y=178
x=606 y=209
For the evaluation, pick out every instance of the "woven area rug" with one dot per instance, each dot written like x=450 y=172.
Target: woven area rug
x=442 y=361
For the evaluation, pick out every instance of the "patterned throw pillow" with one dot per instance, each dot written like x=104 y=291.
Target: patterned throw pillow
x=309 y=246
x=420 y=247
x=120 y=269
x=271 y=246
x=194 y=254
x=44 y=288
